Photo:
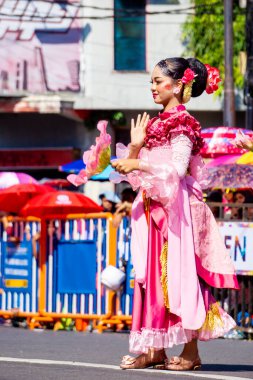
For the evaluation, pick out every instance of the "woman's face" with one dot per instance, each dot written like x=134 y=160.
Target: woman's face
x=162 y=87
x=107 y=205
x=239 y=198
x=229 y=196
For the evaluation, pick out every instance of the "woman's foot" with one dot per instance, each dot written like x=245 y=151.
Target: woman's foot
x=150 y=359
x=178 y=363
x=187 y=361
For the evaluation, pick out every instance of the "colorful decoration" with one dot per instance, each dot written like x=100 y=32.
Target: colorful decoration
x=244 y=159
x=232 y=176
x=220 y=141
x=96 y=159
x=213 y=79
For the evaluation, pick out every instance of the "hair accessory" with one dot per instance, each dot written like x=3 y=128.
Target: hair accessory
x=188 y=76
x=213 y=79
x=187 y=79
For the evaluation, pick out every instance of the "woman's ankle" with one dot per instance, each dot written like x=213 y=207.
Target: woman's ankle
x=190 y=351
x=153 y=353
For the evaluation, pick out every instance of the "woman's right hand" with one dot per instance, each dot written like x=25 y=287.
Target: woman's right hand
x=138 y=130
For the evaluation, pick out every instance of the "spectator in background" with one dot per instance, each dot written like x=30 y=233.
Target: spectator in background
x=124 y=208
x=109 y=201
x=8 y=227
x=242 y=196
x=228 y=197
x=215 y=196
x=236 y=213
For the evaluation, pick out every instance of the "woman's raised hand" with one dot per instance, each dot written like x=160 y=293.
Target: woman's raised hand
x=138 y=130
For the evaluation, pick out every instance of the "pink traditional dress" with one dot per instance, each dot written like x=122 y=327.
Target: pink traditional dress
x=176 y=246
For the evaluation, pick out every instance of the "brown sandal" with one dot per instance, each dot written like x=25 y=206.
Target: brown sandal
x=142 y=361
x=177 y=363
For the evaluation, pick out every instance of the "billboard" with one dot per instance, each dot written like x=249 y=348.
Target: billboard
x=238 y=239
x=39 y=46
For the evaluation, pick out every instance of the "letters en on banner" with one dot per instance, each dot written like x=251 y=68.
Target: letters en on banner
x=39 y=44
x=238 y=238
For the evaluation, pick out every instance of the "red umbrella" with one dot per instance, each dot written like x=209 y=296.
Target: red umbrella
x=219 y=141
x=13 y=198
x=60 y=203
x=57 y=183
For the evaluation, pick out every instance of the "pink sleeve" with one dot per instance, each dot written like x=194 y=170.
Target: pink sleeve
x=159 y=180
x=122 y=151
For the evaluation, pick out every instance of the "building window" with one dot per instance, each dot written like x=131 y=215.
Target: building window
x=129 y=35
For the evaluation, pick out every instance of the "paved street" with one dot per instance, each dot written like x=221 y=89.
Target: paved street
x=49 y=355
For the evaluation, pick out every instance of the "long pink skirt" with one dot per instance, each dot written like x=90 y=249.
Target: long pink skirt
x=153 y=325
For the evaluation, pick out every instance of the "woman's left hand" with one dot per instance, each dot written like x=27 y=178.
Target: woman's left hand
x=125 y=165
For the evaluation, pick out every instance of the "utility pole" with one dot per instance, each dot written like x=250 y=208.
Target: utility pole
x=248 y=87
x=229 y=96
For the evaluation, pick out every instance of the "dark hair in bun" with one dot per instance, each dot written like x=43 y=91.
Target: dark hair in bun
x=175 y=68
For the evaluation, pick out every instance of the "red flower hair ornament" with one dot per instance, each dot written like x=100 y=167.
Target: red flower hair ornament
x=189 y=76
x=213 y=79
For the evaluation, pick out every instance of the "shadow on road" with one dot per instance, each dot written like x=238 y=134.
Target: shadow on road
x=227 y=367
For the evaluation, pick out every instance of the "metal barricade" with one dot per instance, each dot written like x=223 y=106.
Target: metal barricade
x=123 y=298
x=78 y=249
x=51 y=269
x=19 y=273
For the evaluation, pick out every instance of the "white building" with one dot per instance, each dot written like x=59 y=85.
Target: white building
x=109 y=83
x=65 y=66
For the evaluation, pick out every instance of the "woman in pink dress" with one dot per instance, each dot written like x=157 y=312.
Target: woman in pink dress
x=176 y=247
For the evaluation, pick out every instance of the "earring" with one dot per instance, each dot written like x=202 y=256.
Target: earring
x=176 y=90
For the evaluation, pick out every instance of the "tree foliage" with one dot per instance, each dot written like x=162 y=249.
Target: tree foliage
x=203 y=36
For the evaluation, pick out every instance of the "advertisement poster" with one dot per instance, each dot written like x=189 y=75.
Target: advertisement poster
x=17 y=266
x=39 y=46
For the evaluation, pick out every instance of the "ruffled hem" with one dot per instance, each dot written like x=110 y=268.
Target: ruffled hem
x=141 y=341
x=227 y=323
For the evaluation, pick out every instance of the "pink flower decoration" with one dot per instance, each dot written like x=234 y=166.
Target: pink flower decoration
x=213 y=79
x=189 y=76
x=96 y=159
x=243 y=141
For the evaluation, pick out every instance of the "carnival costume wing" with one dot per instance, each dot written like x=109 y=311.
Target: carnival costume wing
x=96 y=159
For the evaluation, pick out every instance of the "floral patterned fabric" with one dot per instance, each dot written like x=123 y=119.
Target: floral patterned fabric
x=161 y=129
